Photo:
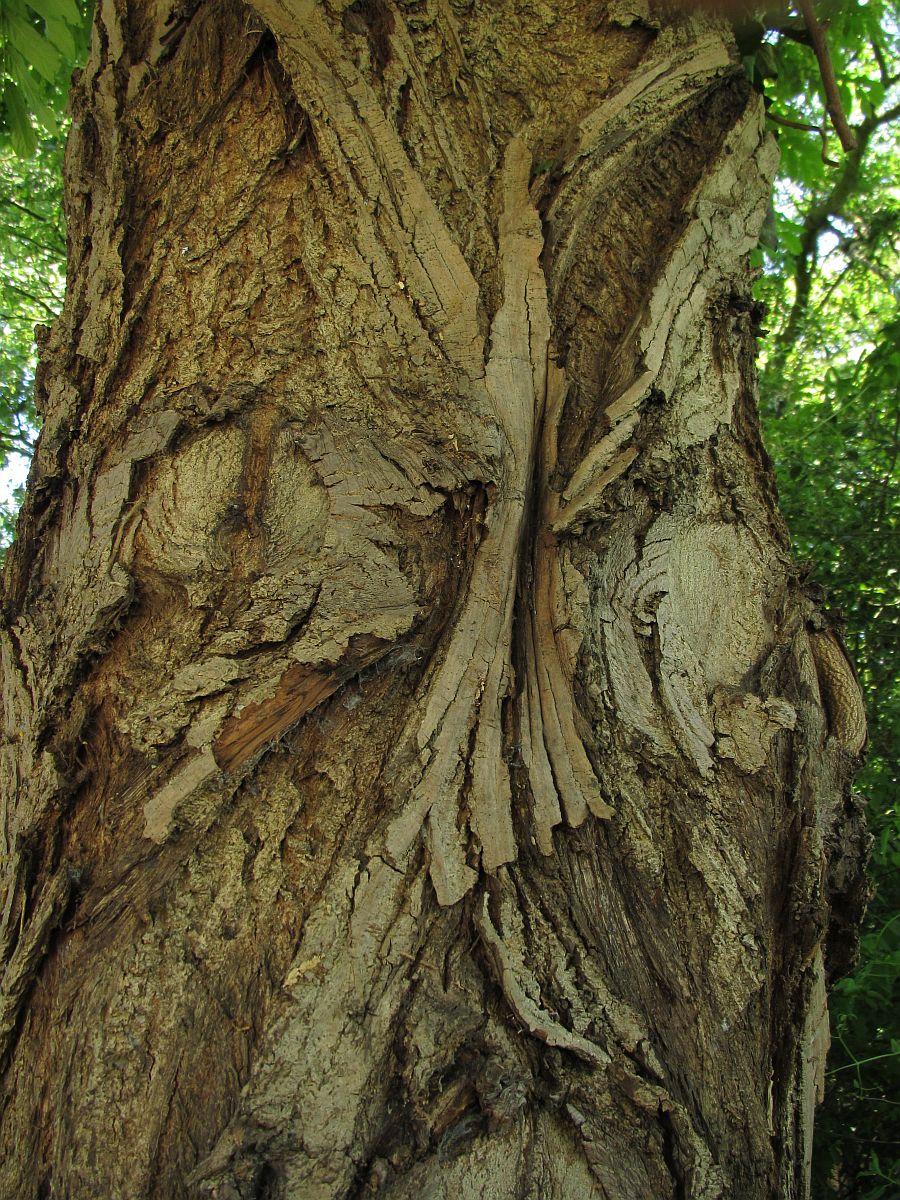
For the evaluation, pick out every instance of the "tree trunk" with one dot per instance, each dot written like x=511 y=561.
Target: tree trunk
x=424 y=772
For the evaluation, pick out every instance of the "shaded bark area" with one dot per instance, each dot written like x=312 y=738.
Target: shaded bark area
x=423 y=772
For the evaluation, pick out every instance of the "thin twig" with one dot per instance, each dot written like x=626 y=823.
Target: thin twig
x=44 y=247
x=795 y=32
x=11 y=445
x=30 y=212
x=6 y=316
x=792 y=124
x=882 y=62
x=52 y=312
x=885 y=118
x=861 y=1062
x=819 y=129
x=832 y=98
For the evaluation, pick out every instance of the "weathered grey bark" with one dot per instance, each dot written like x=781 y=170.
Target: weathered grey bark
x=421 y=761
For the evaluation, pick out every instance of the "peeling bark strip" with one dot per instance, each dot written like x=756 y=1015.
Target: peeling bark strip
x=418 y=777
x=537 y=1021
x=461 y=732
x=840 y=692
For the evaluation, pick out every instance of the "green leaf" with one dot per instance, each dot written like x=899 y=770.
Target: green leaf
x=37 y=105
x=60 y=35
x=34 y=48
x=846 y=94
x=789 y=235
x=56 y=10
x=874 y=91
x=21 y=133
x=768 y=235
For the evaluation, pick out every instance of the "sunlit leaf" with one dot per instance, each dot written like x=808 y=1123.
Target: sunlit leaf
x=34 y=48
x=60 y=35
x=22 y=134
x=57 y=10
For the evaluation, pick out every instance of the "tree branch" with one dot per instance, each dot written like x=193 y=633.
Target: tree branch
x=819 y=129
x=885 y=118
x=882 y=62
x=53 y=312
x=818 y=217
x=793 y=31
x=29 y=211
x=12 y=444
x=832 y=99
x=48 y=244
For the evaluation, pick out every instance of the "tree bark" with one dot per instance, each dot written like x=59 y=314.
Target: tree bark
x=424 y=772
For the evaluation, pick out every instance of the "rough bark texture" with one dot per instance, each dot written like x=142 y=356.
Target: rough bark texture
x=424 y=774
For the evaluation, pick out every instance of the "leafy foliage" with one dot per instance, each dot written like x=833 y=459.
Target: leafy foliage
x=40 y=41
x=830 y=380
x=32 y=280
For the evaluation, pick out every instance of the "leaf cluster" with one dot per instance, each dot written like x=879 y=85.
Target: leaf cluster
x=40 y=42
x=32 y=281
x=830 y=395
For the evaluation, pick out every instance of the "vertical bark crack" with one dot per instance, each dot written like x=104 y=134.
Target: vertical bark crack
x=466 y=695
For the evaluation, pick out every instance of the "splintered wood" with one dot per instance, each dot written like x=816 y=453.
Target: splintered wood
x=465 y=775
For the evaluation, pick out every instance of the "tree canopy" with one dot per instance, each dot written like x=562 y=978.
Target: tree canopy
x=829 y=311
x=40 y=42
x=830 y=393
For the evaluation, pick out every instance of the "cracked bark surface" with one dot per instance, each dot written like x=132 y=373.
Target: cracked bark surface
x=423 y=772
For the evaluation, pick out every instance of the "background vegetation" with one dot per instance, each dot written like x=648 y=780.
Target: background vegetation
x=830 y=398
x=830 y=384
